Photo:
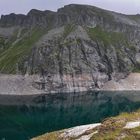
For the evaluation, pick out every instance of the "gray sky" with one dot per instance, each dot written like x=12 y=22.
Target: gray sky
x=23 y=6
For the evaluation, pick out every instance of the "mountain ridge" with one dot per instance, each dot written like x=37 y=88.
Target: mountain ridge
x=68 y=8
x=77 y=48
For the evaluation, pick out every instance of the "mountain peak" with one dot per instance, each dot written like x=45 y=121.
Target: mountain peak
x=35 y=12
x=76 y=40
x=72 y=13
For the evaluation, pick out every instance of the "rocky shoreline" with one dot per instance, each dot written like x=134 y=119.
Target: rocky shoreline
x=131 y=82
x=34 y=85
x=20 y=90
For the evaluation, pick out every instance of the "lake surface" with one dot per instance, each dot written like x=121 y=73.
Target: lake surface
x=47 y=113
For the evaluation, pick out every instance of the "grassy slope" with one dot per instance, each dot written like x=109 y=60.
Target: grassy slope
x=113 y=128
x=98 y=34
x=114 y=40
x=15 y=53
x=12 y=55
x=110 y=38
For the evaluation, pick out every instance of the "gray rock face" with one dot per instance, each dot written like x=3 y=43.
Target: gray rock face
x=75 y=14
x=77 y=48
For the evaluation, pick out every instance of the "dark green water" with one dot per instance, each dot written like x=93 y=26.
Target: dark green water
x=54 y=112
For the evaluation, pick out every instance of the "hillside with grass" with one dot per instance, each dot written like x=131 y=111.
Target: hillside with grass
x=77 y=48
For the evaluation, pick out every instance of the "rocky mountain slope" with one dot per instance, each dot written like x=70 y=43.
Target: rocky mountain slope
x=123 y=127
x=77 y=48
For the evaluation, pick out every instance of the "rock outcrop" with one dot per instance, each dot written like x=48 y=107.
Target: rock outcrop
x=125 y=126
x=77 y=48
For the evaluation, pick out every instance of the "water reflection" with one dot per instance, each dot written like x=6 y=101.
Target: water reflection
x=35 y=115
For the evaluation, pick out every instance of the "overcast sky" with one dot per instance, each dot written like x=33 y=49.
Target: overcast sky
x=23 y=6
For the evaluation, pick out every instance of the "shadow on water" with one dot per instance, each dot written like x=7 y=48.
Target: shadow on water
x=57 y=111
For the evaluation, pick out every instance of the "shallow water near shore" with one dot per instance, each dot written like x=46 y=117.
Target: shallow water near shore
x=24 y=117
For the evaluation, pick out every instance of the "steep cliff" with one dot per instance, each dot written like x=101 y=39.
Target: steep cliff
x=79 y=47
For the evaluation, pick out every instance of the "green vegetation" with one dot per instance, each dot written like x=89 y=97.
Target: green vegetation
x=112 y=40
x=50 y=136
x=137 y=70
x=113 y=128
x=2 y=41
x=98 y=34
x=7 y=42
x=68 y=29
x=15 y=53
x=134 y=17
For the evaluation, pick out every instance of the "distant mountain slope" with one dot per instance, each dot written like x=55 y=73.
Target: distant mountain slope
x=79 y=47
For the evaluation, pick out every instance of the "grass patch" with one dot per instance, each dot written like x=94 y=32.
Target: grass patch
x=98 y=34
x=2 y=41
x=136 y=70
x=110 y=135
x=49 y=136
x=14 y=54
x=113 y=128
x=67 y=30
x=6 y=43
x=134 y=17
x=2 y=44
